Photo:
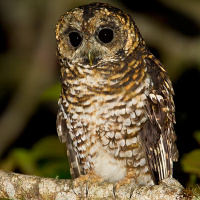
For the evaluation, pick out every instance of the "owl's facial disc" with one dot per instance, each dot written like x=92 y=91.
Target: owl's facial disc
x=89 y=48
x=96 y=34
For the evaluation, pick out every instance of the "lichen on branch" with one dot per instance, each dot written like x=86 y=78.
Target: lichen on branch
x=19 y=186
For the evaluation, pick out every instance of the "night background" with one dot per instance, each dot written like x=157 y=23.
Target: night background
x=30 y=87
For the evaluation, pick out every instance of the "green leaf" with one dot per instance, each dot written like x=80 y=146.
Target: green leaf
x=191 y=162
x=19 y=159
x=48 y=147
x=51 y=93
x=51 y=157
x=197 y=136
x=46 y=158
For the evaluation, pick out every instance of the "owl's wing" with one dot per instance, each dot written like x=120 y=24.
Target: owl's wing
x=75 y=167
x=158 y=136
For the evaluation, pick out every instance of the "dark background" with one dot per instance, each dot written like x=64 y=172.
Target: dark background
x=29 y=79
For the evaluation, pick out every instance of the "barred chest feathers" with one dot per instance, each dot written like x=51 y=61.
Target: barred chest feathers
x=103 y=118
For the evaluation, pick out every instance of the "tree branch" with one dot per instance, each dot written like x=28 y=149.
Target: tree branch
x=18 y=186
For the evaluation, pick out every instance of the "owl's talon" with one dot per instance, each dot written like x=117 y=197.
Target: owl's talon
x=80 y=187
x=125 y=182
x=114 y=190
x=87 y=189
x=131 y=193
x=82 y=183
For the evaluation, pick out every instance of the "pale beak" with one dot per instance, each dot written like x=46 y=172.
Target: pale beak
x=90 y=57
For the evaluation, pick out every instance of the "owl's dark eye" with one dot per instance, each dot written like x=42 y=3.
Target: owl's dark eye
x=106 y=35
x=75 y=38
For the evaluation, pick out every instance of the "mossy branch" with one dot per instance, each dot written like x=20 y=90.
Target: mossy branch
x=19 y=186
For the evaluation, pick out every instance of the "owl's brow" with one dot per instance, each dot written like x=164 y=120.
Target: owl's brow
x=87 y=13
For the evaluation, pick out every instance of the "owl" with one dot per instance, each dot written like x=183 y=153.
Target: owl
x=116 y=109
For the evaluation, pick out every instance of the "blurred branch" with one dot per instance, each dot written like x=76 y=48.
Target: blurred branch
x=176 y=50
x=168 y=40
x=188 y=7
x=172 y=42
x=18 y=186
x=40 y=75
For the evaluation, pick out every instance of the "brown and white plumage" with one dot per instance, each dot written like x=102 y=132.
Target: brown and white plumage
x=116 y=109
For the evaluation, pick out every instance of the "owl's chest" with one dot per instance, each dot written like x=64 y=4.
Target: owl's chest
x=97 y=113
x=91 y=102
x=104 y=127
x=111 y=119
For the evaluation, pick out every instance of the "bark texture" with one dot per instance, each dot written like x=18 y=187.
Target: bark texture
x=19 y=186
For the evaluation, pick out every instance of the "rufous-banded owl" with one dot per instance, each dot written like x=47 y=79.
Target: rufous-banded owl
x=116 y=109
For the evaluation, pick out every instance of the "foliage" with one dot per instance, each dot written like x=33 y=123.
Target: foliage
x=52 y=93
x=47 y=158
x=189 y=193
x=191 y=162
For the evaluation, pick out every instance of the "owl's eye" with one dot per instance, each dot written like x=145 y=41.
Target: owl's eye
x=75 y=38
x=106 y=35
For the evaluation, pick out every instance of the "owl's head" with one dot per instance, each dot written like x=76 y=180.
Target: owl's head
x=94 y=34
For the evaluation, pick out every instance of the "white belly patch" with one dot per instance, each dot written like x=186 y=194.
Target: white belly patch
x=108 y=167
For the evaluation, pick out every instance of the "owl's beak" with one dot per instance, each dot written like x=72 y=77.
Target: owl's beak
x=91 y=57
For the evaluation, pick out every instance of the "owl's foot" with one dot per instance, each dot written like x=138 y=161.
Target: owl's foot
x=83 y=182
x=90 y=178
x=128 y=180
x=128 y=183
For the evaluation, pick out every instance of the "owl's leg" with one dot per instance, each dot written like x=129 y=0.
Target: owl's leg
x=89 y=177
x=83 y=182
x=129 y=179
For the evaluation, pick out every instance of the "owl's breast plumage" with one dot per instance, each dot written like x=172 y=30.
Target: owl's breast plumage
x=103 y=118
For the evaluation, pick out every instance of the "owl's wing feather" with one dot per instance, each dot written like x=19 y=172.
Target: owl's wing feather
x=158 y=136
x=64 y=136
